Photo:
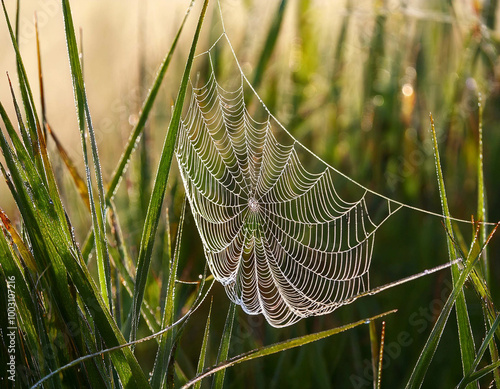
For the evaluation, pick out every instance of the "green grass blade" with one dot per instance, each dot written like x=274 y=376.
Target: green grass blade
x=40 y=76
x=282 y=346
x=34 y=201
x=166 y=259
x=22 y=129
x=203 y=351
x=27 y=98
x=139 y=127
x=160 y=368
x=145 y=111
x=44 y=216
x=158 y=194
x=27 y=314
x=83 y=113
x=60 y=257
x=144 y=163
x=23 y=79
x=271 y=38
x=51 y=181
x=484 y=371
x=482 y=216
x=467 y=348
x=224 y=346
x=127 y=367
x=202 y=294
x=480 y=353
x=493 y=347
x=121 y=259
x=481 y=195
x=18 y=11
x=425 y=358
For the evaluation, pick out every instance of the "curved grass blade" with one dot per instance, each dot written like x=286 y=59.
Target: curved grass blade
x=425 y=358
x=49 y=238
x=28 y=316
x=202 y=294
x=486 y=342
x=158 y=193
x=54 y=252
x=139 y=127
x=28 y=100
x=278 y=347
x=224 y=346
x=127 y=367
x=98 y=212
x=166 y=259
x=160 y=368
x=50 y=244
x=144 y=113
x=267 y=50
x=481 y=216
x=203 y=351
x=467 y=347
x=484 y=371
x=492 y=345
x=124 y=274
x=40 y=76
x=22 y=129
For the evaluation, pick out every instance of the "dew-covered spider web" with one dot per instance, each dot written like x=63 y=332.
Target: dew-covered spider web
x=276 y=230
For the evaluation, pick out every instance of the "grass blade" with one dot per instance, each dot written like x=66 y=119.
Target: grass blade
x=282 y=346
x=139 y=127
x=425 y=358
x=265 y=56
x=28 y=101
x=224 y=346
x=35 y=333
x=480 y=353
x=159 y=371
x=158 y=193
x=48 y=233
x=40 y=76
x=481 y=195
x=83 y=113
x=467 y=348
x=145 y=110
x=484 y=371
x=121 y=264
x=482 y=216
x=203 y=352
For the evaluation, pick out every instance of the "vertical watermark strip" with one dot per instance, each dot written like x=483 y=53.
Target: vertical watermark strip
x=12 y=328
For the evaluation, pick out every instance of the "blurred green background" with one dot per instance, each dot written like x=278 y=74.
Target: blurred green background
x=355 y=82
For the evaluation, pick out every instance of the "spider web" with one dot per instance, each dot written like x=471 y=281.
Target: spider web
x=275 y=230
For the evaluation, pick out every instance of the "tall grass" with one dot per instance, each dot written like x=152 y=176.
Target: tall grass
x=90 y=308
